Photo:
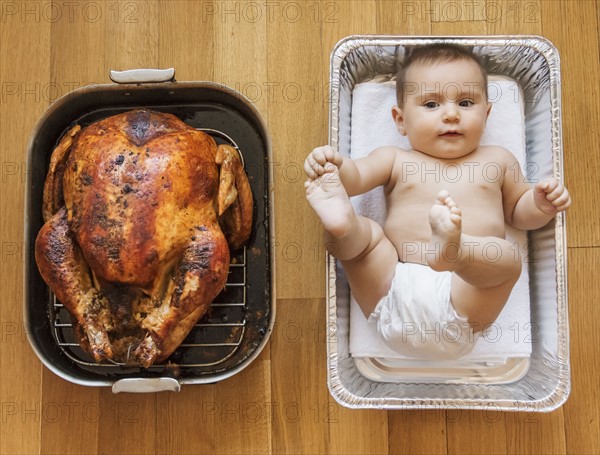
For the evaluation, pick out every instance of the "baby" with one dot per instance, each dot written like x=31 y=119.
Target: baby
x=440 y=270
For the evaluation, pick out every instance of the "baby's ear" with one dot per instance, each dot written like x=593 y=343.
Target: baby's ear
x=398 y=117
x=489 y=109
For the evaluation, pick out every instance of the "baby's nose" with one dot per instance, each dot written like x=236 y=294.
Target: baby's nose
x=450 y=113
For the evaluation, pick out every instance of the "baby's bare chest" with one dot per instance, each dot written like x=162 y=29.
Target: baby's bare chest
x=467 y=175
x=476 y=188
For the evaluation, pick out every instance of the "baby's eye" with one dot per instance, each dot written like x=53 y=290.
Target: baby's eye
x=430 y=104
x=466 y=103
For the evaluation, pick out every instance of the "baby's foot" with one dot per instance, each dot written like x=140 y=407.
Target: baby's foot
x=329 y=200
x=445 y=218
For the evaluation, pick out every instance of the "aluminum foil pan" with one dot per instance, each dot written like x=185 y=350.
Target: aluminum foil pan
x=545 y=385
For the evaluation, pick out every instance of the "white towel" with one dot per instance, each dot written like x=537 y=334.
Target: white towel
x=372 y=126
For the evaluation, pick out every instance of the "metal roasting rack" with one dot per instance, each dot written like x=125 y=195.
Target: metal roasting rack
x=212 y=341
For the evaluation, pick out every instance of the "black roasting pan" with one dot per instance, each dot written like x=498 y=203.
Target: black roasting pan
x=241 y=318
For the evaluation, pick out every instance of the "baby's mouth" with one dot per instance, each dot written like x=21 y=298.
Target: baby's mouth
x=451 y=134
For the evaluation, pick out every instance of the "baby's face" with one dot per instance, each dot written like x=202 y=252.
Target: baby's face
x=445 y=110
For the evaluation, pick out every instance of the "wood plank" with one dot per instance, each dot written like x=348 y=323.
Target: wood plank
x=184 y=421
x=303 y=414
x=563 y=24
x=232 y=416
x=402 y=18
x=535 y=433
x=234 y=66
x=356 y=431
x=344 y=19
x=298 y=123
x=249 y=393
x=68 y=410
x=418 y=432
x=457 y=18
x=186 y=39
x=507 y=17
x=245 y=402
x=79 y=35
x=582 y=413
x=24 y=76
x=487 y=425
x=126 y=422
x=131 y=40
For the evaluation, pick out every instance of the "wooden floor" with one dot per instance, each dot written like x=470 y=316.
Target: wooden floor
x=277 y=54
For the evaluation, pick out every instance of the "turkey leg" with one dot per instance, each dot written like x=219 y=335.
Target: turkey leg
x=65 y=270
x=197 y=280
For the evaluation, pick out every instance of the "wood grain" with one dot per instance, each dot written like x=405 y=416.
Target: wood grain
x=535 y=433
x=403 y=18
x=298 y=123
x=353 y=431
x=24 y=76
x=127 y=423
x=302 y=411
x=476 y=432
x=582 y=413
x=132 y=35
x=67 y=410
x=507 y=17
x=192 y=58
x=407 y=430
x=277 y=54
x=229 y=417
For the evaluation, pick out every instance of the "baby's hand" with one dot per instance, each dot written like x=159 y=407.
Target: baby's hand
x=315 y=162
x=551 y=197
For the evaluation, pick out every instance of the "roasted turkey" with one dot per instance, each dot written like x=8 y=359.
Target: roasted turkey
x=140 y=213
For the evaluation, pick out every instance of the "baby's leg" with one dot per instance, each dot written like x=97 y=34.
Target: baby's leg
x=485 y=268
x=368 y=257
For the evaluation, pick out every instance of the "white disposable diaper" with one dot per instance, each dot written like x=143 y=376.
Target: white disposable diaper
x=417 y=319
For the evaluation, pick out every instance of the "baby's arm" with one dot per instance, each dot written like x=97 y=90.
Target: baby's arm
x=357 y=176
x=540 y=204
x=527 y=207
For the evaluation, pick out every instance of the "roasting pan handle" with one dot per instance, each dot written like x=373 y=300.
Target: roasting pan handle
x=142 y=76
x=146 y=385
